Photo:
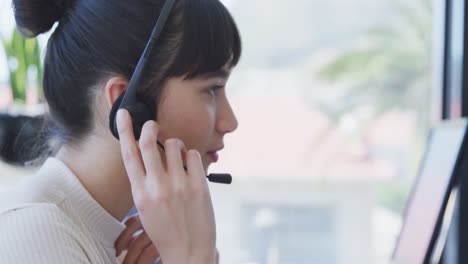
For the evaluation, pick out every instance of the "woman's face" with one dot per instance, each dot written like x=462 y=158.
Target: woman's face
x=197 y=112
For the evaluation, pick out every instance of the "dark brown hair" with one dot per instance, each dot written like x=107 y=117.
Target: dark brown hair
x=97 y=39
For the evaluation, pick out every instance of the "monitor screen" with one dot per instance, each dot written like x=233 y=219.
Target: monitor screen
x=429 y=193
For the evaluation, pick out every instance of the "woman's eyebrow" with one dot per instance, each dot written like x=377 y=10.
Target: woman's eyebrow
x=221 y=73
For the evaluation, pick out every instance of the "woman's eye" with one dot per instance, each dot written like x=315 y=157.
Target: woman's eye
x=212 y=90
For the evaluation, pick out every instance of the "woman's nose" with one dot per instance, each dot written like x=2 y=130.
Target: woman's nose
x=227 y=121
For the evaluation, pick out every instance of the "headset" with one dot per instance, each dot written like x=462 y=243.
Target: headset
x=140 y=111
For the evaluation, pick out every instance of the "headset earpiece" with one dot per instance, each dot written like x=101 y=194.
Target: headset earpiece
x=112 y=115
x=139 y=112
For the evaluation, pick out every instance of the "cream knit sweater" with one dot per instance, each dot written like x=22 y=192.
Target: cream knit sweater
x=50 y=217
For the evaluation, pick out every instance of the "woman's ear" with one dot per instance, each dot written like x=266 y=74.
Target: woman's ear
x=114 y=88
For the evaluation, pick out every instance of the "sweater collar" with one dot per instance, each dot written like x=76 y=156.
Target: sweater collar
x=102 y=225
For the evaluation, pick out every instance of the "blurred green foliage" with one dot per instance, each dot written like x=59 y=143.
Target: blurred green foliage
x=390 y=66
x=24 y=64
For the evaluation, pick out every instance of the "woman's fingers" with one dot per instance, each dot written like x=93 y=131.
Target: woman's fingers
x=140 y=249
x=149 y=255
x=137 y=248
x=133 y=224
x=195 y=166
x=149 y=149
x=174 y=206
x=130 y=152
x=174 y=157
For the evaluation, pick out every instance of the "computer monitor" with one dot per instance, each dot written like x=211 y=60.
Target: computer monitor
x=428 y=199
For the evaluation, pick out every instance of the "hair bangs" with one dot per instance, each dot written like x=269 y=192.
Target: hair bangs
x=210 y=40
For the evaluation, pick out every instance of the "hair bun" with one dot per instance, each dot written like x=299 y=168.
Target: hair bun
x=34 y=17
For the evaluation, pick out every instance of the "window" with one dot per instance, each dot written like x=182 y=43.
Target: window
x=333 y=101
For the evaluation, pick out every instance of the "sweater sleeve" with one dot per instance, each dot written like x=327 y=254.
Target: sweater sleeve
x=39 y=233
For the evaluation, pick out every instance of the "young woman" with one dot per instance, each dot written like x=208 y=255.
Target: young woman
x=71 y=210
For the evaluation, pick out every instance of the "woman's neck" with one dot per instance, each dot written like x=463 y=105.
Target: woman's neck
x=99 y=167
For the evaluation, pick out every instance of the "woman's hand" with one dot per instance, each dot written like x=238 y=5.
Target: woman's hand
x=174 y=205
x=140 y=249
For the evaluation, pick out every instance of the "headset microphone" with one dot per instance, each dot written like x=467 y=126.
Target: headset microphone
x=225 y=178
x=139 y=111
